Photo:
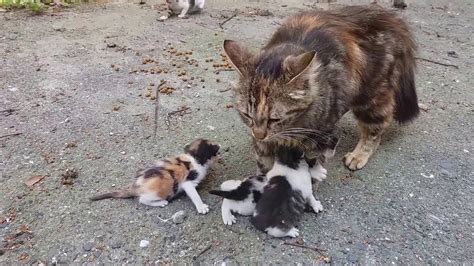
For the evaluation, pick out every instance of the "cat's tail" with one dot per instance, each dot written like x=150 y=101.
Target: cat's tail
x=120 y=194
x=406 y=100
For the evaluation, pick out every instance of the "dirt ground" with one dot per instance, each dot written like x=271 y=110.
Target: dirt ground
x=76 y=94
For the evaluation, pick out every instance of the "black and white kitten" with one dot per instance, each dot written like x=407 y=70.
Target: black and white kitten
x=286 y=195
x=240 y=197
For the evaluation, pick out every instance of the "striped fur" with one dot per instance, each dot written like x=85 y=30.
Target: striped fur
x=317 y=66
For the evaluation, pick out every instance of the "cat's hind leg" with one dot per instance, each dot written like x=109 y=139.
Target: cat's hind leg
x=373 y=119
x=151 y=199
x=185 y=5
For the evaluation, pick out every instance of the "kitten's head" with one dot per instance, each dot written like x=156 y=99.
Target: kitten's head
x=273 y=89
x=203 y=150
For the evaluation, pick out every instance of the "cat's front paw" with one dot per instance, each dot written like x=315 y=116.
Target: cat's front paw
x=202 y=209
x=293 y=232
x=182 y=16
x=229 y=219
x=356 y=160
x=317 y=206
x=318 y=172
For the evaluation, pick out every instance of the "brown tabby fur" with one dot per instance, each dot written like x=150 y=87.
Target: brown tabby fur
x=316 y=67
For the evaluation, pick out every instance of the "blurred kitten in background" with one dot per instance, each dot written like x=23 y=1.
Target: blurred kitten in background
x=183 y=8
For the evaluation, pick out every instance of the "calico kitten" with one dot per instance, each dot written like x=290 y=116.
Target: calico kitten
x=184 y=7
x=316 y=67
x=239 y=197
x=285 y=196
x=158 y=184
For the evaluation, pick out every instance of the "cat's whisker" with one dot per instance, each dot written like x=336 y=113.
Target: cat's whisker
x=304 y=137
x=291 y=138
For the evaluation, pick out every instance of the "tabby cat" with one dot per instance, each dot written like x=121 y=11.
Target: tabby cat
x=317 y=66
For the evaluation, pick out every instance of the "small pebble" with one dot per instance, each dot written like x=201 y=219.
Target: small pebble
x=144 y=243
x=116 y=245
x=87 y=247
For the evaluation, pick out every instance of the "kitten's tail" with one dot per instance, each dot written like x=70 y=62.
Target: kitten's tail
x=224 y=194
x=120 y=194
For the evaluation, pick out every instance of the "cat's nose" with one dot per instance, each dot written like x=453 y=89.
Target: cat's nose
x=259 y=133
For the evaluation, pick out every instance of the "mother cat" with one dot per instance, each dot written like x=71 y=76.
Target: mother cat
x=316 y=67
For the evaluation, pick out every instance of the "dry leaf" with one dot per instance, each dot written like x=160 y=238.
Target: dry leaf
x=33 y=180
x=23 y=257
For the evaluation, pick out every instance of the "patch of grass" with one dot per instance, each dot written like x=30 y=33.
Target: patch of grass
x=34 y=5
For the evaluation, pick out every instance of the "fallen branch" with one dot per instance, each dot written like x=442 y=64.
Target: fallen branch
x=221 y=24
x=157 y=105
x=436 y=62
x=10 y=135
x=319 y=250
x=202 y=252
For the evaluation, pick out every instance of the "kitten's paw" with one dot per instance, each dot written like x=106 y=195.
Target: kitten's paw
x=229 y=219
x=182 y=16
x=356 y=160
x=293 y=232
x=317 y=206
x=162 y=18
x=203 y=209
x=318 y=172
x=162 y=203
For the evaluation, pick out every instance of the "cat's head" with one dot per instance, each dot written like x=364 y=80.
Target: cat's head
x=203 y=150
x=274 y=86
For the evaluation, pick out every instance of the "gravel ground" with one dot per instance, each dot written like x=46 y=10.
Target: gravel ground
x=68 y=87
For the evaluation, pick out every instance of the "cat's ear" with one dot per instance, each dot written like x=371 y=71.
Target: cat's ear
x=237 y=54
x=298 y=65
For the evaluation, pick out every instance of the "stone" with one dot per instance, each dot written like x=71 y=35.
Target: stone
x=116 y=245
x=144 y=243
x=87 y=247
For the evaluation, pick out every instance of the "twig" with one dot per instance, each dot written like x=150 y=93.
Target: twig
x=436 y=62
x=224 y=90
x=319 y=250
x=221 y=24
x=157 y=105
x=202 y=252
x=181 y=111
x=10 y=135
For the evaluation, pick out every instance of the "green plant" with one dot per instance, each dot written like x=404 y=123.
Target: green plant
x=34 y=5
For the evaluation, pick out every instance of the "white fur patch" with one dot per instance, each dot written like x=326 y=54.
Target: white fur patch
x=277 y=232
x=318 y=172
x=230 y=185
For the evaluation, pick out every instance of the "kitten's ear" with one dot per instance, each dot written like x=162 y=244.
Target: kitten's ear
x=237 y=55
x=297 y=65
